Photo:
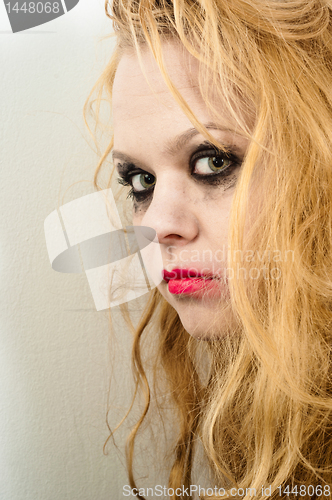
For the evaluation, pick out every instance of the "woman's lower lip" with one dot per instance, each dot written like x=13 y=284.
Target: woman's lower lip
x=198 y=287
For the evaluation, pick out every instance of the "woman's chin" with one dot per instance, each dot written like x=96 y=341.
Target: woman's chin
x=204 y=318
x=206 y=321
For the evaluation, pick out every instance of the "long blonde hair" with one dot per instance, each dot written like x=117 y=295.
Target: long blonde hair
x=264 y=415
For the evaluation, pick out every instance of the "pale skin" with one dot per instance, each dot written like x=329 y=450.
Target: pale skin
x=190 y=217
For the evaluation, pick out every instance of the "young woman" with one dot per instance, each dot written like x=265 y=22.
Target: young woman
x=222 y=127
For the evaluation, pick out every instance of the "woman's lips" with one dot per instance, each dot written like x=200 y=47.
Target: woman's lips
x=191 y=282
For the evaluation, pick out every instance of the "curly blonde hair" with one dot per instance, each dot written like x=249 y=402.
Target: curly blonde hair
x=264 y=415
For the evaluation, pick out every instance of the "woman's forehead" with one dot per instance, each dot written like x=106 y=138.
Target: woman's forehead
x=137 y=94
x=133 y=98
x=181 y=67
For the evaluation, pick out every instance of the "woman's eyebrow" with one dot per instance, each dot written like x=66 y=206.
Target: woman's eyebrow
x=174 y=146
x=126 y=158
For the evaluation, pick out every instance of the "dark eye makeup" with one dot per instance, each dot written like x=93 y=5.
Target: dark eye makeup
x=221 y=165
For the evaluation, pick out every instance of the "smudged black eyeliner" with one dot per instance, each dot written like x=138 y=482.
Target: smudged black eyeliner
x=204 y=150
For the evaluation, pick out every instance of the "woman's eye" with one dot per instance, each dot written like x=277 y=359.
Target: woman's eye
x=208 y=166
x=141 y=182
x=214 y=164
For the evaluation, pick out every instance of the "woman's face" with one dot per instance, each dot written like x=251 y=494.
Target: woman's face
x=183 y=188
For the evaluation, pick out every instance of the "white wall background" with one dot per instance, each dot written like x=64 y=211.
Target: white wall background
x=54 y=346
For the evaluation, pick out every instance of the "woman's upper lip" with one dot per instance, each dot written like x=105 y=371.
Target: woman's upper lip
x=185 y=273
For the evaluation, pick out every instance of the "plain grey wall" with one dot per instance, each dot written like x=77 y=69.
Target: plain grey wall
x=54 y=346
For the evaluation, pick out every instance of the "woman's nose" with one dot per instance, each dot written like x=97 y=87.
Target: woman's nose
x=171 y=212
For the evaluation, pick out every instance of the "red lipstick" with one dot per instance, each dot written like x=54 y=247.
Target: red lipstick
x=192 y=282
